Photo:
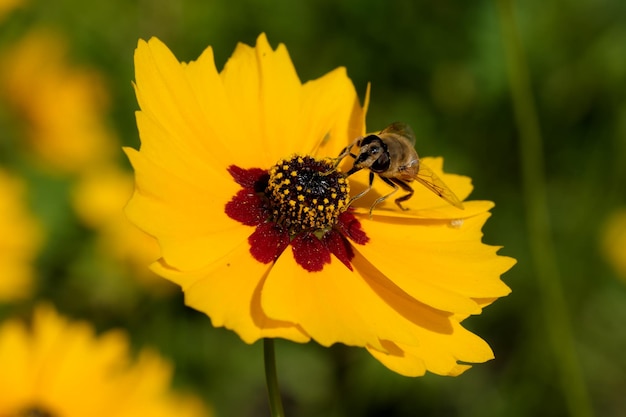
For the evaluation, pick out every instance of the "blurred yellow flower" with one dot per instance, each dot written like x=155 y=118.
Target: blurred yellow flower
x=229 y=176
x=20 y=238
x=61 y=106
x=614 y=242
x=7 y=6
x=99 y=198
x=55 y=367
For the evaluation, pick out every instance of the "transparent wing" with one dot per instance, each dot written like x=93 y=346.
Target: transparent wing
x=430 y=180
x=401 y=129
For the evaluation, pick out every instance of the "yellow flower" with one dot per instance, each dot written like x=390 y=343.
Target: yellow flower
x=99 y=198
x=55 y=367
x=7 y=6
x=20 y=237
x=614 y=241
x=61 y=106
x=259 y=235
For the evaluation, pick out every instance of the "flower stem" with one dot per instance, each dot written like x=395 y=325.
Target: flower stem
x=273 y=392
x=543 y=251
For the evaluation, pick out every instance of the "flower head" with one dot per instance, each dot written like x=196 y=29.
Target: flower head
x=299 y=202
x=61 y=105
x=614 y=241
x=7 y=6
x=234 y=181
x=98 y=198
x=55 y=367
x=20 y=238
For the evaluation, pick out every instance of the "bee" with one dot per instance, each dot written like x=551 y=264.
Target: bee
x=391 y=155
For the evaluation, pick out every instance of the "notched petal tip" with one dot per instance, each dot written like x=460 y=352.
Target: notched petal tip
x=143 y=46
x=262 y=41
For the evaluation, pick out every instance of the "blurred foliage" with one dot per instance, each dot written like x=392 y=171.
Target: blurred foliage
x=437 y=65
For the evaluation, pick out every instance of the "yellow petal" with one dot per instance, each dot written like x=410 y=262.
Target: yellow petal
x=14 y=344
x=614 y=241
x=174 y=150
x=20 y=238
x=220 y=128
x=265 y=93
x=338 y=305
x=189 y=223
x=442 y=266
x=330 y=114
x=229 y=292
x=165 y=95
x=183 y=120
x=46 y=365
x=436 y=353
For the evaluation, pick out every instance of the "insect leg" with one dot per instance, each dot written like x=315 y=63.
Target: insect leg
x=379 y=200
x=345 y=152
x=406 y=187
x=362 y=193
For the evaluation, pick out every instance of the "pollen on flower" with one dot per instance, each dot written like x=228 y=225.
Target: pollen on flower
x=456 y=223
x=300 y=202
x=306 y=179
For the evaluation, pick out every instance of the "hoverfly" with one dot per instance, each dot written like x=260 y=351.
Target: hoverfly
x=391 y=155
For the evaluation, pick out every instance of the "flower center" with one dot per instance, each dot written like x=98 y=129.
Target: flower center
x=303 y=195
x=300 y=202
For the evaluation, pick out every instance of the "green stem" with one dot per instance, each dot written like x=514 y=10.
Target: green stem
x=543 y=251
x=273 y=392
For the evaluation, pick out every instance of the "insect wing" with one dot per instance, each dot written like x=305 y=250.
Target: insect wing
x=430 y=180
x=400 y=129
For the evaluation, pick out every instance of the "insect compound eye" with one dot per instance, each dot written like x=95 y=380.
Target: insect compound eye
x=369 y=139
x=372 y=144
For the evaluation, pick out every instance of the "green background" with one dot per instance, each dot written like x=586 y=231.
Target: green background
x=441 y=67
